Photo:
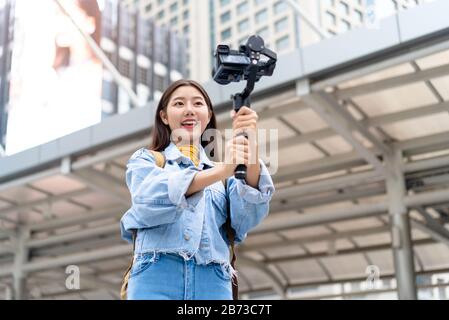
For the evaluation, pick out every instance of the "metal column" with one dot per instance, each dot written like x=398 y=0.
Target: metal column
x=20 y=258
x=7 y=289
x=400 y=228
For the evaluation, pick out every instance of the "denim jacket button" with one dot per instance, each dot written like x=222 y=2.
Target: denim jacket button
x=187 y=236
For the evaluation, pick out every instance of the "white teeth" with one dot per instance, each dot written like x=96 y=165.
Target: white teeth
x=189 y=123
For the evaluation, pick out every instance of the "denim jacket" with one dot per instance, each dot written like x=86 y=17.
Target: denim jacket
x=168 y=221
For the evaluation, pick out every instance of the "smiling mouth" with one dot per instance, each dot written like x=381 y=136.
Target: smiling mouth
x=189 y=124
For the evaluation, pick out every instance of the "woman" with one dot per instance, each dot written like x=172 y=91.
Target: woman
x=70 y=46
x=179 y=211
x=78 y=73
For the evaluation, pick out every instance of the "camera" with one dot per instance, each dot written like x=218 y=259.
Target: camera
x=244 y=64
x=234 y=65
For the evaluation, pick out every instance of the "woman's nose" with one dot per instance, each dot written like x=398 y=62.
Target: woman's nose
x=189 y=107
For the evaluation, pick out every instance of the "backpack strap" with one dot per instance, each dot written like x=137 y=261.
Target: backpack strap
x=124 y=288
x=159 y=157
x=160 y=162
x=231 y=237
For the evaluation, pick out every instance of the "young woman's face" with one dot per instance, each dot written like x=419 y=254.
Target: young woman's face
x=187 y=115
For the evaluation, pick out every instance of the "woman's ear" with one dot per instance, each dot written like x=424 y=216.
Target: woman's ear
x=163 y=116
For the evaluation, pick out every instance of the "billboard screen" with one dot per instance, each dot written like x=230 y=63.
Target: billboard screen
x=55 y=86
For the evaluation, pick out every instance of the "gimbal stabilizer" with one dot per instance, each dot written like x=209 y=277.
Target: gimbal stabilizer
x=245 y=64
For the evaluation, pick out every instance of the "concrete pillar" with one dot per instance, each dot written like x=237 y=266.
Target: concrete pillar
x=400 y=229
x=20 y=258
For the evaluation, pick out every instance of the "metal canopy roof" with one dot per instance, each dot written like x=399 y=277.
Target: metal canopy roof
x=350 y=111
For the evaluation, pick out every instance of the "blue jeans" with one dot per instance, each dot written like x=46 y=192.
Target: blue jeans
x=167 y=276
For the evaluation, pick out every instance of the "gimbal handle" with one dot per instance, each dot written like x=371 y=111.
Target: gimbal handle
x=240 y=100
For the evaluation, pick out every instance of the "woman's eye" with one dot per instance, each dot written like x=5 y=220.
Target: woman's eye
x=181 y=104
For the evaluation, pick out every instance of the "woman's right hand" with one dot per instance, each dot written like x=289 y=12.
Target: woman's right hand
x=236 y=152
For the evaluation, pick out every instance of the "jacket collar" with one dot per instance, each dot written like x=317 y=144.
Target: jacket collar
x=172 y=152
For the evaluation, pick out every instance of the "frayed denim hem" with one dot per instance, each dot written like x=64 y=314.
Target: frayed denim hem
x=225 y=265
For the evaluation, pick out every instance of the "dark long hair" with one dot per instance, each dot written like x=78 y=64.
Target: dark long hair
x=161 y=132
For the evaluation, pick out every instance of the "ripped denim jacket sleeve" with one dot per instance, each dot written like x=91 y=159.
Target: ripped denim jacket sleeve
x=248 y=205
x=157 y=195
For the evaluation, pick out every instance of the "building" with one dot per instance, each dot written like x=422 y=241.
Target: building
x=148 y=56
x=6 y=38
x=189 y=18
x=208 y=23
x=388 y=8
x=331 y=218
x=359 y=171
x=137 y=34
